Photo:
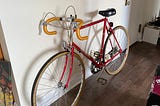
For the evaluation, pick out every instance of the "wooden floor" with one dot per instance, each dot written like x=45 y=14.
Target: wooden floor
x=131 y=86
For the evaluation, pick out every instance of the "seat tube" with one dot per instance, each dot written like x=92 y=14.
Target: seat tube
x=103 y=37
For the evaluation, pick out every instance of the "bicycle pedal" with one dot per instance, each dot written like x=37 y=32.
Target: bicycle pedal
x=102 y=81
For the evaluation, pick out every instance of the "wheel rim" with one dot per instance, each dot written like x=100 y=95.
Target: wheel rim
x=118 y=62
x=47 y=90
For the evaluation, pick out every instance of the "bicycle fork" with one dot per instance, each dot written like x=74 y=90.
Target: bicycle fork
x=65 y=67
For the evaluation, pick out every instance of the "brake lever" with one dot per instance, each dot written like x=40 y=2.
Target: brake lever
x=41 y=23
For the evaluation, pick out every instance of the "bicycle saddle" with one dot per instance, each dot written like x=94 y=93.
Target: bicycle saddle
x=108 y=12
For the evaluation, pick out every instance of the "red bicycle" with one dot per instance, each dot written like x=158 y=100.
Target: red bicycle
x=60 y=80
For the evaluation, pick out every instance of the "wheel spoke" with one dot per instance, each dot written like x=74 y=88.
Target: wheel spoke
x=47 y=90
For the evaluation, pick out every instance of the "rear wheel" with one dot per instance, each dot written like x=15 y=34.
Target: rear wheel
x=48 y=90
x=113 y=54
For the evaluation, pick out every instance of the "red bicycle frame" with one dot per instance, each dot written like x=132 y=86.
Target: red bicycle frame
x=75 y=46
x=105 y=29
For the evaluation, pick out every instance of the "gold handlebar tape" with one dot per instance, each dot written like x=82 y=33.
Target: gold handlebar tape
x=45 y=26
x=54 y=32
x=78 y=30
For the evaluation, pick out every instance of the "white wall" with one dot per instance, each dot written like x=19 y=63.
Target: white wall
x=27 y=51
x=152 y=10
x=142 y=11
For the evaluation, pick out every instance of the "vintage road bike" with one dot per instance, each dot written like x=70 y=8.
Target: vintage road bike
x=60 y=80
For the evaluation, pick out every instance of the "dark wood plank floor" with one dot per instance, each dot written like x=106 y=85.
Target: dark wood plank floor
x=131 y=86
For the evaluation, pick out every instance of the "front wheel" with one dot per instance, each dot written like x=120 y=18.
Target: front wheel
x=48 y=90
x=116 y=50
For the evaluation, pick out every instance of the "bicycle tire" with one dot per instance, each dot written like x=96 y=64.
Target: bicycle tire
x=116 y=64
x=41 y=82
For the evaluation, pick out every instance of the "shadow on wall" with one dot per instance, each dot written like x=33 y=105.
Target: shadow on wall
x=36 y=64
x=27 y=79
